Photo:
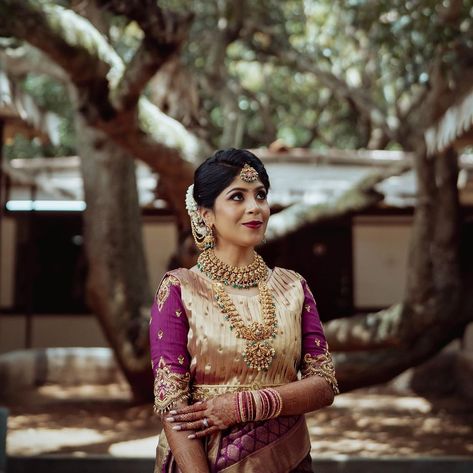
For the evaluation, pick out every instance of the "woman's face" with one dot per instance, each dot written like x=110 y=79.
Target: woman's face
x=240 y=214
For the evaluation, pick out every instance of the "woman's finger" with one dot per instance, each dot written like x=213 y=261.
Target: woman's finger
x=196 y=425
x=198 y=406
x=203 y=433
x=189 y=417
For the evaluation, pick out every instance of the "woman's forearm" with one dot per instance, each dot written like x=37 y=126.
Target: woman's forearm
x=188 y=453
x=222 y=411
x=305 y=395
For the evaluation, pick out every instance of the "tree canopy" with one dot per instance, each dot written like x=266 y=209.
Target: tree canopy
x=312 y=73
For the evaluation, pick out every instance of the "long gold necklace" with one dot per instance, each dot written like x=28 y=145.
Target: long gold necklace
x=258 y=352
x=242 y=277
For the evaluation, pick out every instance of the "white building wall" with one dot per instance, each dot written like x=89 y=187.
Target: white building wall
x=12 y=332
x=69 y=330
x=159 y=239
x=380 y=251
x=7 y=261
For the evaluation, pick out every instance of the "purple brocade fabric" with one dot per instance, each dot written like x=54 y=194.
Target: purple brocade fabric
x=313 y=336
x=241 y=441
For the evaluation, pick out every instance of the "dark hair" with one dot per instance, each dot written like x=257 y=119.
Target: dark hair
x=217 y=172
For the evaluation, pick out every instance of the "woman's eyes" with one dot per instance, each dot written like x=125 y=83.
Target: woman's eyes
x=261 y=195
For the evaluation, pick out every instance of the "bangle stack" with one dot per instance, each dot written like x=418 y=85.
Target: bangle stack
x=257 y=405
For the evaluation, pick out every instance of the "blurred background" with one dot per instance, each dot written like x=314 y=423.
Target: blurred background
x=362 y=112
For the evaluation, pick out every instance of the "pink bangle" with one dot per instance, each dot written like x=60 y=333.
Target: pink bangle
x=257 y=405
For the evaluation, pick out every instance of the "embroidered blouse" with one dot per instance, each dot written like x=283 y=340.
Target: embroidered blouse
x=195 y=355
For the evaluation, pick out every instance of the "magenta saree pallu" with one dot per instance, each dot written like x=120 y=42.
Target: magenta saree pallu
x=276 y=446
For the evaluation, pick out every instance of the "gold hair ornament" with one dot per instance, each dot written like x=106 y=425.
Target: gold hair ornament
x=248 y=173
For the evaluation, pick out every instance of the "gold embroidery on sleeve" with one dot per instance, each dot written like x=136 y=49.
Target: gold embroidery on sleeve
x=307 y=307
x=160 y=334
x=320 y=365
x=169 y=387
x=164 y=289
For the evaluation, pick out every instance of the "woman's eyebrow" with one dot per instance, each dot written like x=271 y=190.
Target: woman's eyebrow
x=242 y=189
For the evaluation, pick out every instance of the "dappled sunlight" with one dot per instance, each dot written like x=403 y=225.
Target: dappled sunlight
x=86 y=391
x=393 y=402
x=135 y=448
x=34 y=441
x=367 y=424
x=87 y=420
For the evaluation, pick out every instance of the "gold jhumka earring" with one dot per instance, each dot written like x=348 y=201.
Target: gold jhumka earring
x=209 y=239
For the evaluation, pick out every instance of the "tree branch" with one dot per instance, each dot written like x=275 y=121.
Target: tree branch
x=26 y=59
x=94 y=69
x=24 y=107
x=298 y=61
x=62 y=35
x=359 y=197
x=164 y=31
x=365 y=331
x=365 y=368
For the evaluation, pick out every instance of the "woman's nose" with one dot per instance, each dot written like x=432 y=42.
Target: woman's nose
x=252 y=205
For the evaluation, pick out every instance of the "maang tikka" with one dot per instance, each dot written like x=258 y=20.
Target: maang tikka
x=202 y=233
x=248 y=173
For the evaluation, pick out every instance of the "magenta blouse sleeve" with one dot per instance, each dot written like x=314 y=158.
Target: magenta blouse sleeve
x=316 y=358
x=170 y=358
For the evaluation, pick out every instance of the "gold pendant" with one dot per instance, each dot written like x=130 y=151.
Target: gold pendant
x=258 y=355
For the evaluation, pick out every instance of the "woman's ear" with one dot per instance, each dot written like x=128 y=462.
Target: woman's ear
x=207 y=215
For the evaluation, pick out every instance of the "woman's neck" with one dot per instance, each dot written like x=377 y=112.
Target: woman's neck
x=234 y=255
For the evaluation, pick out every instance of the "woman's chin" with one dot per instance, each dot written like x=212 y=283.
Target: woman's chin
x=255 y=242
x=247 y=243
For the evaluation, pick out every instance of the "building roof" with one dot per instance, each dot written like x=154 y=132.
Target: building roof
x=296 y=176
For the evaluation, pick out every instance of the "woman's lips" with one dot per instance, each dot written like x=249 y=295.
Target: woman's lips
x=253 y=224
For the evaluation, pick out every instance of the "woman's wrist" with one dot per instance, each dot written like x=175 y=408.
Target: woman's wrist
x=261 y=404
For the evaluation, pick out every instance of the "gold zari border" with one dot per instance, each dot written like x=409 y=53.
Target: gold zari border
x=202 y=392
x=164 y=289
x=169 y=387
x=320 y=365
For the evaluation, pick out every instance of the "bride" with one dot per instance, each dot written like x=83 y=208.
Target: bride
x=229 y=336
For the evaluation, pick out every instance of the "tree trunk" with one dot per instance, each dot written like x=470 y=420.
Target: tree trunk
x=118 y=290
x=437 y=304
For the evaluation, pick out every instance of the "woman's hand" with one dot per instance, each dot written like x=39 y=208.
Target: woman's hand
x=205 y=417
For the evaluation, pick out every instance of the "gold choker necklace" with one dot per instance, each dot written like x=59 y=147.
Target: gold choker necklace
x=242 y=277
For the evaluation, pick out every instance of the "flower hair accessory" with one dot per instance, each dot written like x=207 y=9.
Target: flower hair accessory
x=191 y=204
x=202 y=233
